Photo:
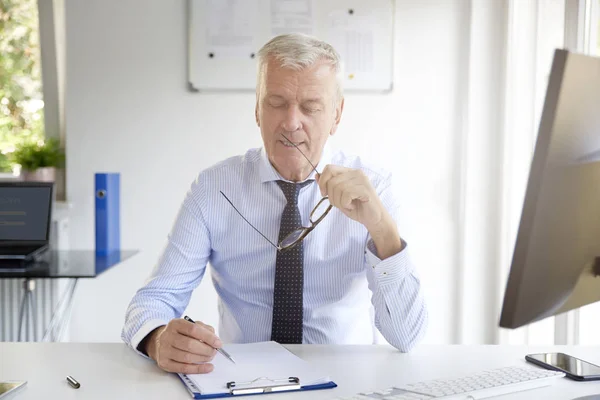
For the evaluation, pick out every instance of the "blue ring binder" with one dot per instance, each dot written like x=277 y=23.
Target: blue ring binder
x=107 y=213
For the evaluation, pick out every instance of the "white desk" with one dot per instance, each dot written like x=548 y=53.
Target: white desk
x=112 y=371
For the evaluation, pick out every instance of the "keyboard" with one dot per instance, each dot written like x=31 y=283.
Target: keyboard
x=482 y=385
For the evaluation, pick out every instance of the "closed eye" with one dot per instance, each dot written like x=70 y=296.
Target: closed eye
x=311 y=110
x=276 y=101
x=312 y=106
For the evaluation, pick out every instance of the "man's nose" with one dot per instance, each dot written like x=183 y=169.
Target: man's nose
x=292 y=121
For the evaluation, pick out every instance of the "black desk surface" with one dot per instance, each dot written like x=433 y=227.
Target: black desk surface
x=66 y=264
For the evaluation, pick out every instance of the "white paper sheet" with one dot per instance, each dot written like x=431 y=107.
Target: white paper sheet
x=292 y=16
x=267 y=360
x=354 y=38
x=231 y=26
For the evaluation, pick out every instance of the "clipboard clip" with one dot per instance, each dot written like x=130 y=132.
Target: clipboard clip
x=277 y=385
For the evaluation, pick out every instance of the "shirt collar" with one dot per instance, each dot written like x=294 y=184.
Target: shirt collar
x=268 y=173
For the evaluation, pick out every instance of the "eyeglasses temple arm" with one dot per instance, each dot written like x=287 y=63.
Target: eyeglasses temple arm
x=298 y=148
x=259 y=232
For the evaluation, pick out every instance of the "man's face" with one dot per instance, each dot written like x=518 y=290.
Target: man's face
x=303 y=106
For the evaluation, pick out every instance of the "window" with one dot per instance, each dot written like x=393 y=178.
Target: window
x=21 y=104
x=598 y=28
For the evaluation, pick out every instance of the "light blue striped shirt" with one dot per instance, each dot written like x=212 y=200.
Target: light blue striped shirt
x=348 y=290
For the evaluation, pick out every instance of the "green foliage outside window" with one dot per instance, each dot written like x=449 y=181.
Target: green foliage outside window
x=21 y=104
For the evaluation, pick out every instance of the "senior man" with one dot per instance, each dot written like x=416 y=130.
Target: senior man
x=338 y=268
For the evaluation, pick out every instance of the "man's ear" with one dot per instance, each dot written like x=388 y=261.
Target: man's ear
x=338 y=116
x=256 y=114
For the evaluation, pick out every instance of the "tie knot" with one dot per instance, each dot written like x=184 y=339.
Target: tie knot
x=291 y=190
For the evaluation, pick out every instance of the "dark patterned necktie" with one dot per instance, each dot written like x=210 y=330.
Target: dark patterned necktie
x=289 y=273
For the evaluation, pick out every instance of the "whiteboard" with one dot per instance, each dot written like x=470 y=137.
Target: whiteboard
x=225 y=35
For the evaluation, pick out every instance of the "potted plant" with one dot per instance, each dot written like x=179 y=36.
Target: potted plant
x=38 y=160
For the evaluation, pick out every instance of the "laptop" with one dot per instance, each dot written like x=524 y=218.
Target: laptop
x=25 y=215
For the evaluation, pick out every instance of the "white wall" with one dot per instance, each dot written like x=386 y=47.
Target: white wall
x=128 y=111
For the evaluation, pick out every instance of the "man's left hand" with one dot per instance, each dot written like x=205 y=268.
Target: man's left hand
x=351 y=191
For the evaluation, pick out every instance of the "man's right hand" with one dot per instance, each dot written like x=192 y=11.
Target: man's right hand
x=181 y=346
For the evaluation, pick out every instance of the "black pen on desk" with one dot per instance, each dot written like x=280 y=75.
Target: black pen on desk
x=221 y=350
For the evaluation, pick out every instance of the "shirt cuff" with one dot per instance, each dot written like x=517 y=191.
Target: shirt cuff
x=391 y=270
x=144 y=331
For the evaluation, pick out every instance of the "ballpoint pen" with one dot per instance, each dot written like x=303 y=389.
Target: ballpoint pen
x=220 y=350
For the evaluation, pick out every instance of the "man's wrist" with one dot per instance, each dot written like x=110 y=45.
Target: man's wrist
x=386 y=238
x=148 y=344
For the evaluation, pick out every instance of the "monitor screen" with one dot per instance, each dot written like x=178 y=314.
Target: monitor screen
x=556 y=259
x=25 y=212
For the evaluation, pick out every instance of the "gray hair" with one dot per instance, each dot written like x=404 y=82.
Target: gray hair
x=298 y=51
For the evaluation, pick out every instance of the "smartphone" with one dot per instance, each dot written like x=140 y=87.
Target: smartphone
x=573 y=367
x=10 y=387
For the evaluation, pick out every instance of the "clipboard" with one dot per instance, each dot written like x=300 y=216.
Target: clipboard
x=257 y=386
x=260 y=368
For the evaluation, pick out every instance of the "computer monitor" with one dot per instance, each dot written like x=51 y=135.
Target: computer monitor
x=556 y=266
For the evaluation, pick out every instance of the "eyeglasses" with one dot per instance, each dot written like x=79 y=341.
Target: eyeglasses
x=318 y=213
